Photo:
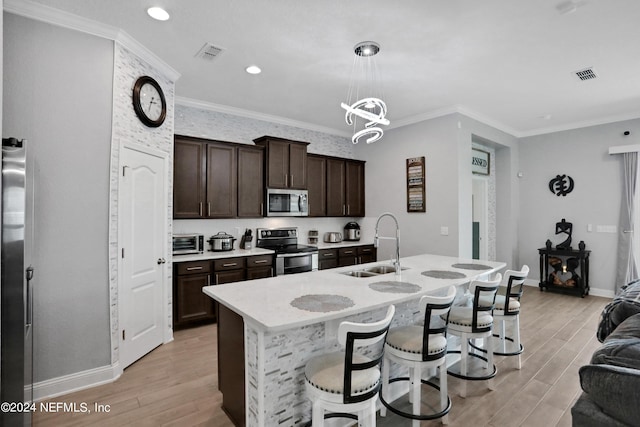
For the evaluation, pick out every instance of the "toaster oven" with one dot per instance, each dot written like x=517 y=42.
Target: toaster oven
x=184 y=244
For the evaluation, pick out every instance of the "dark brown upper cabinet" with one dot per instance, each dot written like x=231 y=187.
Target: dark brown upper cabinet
x=336 y=186
x=215 y=179
x=286 y=162
x=221 y=181
x=189 y=178
x=250 y=181
x=317 y=184
x=354 y=188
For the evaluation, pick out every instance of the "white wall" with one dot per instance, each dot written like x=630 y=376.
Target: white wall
x=583 y=155
x=58 y=95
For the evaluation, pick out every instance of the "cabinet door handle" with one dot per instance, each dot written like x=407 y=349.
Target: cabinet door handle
x=200 y=209
x=286 y=180
x=348 y=210
x=216 y=281
x=343 y=210
x=231 y=264
x=261 y=261
x=193 y=268
x=329 y=254
x=208 y=280
x=208 y=208
x=348 y=252
x=262 y=209
x=271 y=271
x=292 y=180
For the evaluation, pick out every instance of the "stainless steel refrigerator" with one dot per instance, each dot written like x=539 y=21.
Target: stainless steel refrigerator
x=17 y=286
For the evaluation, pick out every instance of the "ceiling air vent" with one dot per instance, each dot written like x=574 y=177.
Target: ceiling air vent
x=586 y=74
x=209 y=52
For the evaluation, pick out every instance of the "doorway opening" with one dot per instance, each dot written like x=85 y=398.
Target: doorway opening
x=480 y=218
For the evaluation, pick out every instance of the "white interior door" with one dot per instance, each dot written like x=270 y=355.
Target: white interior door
x=142 y=237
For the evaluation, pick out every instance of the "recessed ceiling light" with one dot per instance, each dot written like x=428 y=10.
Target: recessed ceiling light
x=253 y=69
x=158 y=13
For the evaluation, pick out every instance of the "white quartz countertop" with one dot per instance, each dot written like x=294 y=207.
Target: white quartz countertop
x=267 y=302
x=221 y=254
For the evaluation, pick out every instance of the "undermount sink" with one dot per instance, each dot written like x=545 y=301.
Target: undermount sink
x=373 y=271
x=360 y=273
x=383 y=269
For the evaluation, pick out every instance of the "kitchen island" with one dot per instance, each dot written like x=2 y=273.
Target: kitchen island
x=288 y=319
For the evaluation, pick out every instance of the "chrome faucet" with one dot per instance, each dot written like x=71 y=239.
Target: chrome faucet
x=376 y=239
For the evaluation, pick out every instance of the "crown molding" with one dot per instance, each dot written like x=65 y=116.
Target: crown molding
x=453 y=109
x=53 y=16
x=581 y=124
x=203 y=105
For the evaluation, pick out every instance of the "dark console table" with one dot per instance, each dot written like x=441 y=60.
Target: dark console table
x=564 y=270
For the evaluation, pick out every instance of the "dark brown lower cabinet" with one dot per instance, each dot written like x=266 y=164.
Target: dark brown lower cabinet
x=327 y=258
x=190 y=304
x=355 y=255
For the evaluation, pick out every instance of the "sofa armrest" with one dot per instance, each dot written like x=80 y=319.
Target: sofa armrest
x=614 y=389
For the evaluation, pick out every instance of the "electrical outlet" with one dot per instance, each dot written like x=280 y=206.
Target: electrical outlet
x=444 y=231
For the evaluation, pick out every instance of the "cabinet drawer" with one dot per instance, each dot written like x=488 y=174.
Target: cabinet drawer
x=194 y=267
x=327 y=254
x=259 y=261
x=365 y=250
x=347 y=252
x=228 y=264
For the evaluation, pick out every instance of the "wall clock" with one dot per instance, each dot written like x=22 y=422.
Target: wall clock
x=149 y=102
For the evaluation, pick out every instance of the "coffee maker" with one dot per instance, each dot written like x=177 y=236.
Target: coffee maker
x=352 y=231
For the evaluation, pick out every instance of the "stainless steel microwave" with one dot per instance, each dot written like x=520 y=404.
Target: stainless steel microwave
x=281 y=202
x=184 y=244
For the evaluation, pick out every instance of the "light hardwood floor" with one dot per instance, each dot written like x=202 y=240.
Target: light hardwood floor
x=176 y=384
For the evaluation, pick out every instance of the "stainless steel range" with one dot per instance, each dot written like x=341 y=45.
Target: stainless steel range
x=290 y=256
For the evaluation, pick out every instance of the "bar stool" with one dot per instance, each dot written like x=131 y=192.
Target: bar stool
x=347 y=382
x=471 y=323
x=507 y=309
x=418 y=347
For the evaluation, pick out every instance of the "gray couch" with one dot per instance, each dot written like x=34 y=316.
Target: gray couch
x=611 y=383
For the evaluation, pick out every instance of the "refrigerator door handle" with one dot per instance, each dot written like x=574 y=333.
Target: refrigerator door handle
x=29 y=307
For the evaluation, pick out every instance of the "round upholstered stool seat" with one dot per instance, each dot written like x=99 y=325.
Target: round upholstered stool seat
x=406 y=341
x=326 y=373
x=461 y=319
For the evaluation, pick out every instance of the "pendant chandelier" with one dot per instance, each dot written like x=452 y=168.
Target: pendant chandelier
x=364 y=99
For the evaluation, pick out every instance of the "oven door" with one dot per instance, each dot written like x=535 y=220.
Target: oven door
x=296 y=263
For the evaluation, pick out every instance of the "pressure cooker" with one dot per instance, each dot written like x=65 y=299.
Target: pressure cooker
x=221 y=242
x=352 y=231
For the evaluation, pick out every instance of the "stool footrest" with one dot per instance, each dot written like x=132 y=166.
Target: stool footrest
x=411 y=415
x=470 y=377
x=496 y=344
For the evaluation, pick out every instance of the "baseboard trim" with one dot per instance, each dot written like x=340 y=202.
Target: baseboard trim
x=605 y=293
x=75 y=382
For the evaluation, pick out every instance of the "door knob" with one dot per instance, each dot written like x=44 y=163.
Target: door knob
x=161 y=260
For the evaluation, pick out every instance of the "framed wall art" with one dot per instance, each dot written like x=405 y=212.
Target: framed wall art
x=416 y=185
x=480 y=162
